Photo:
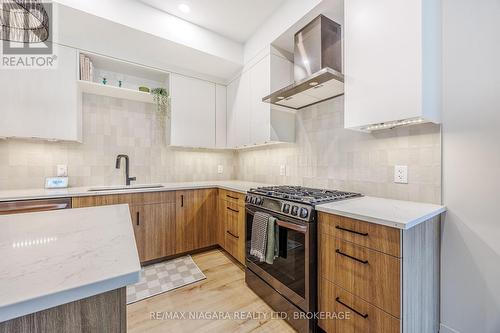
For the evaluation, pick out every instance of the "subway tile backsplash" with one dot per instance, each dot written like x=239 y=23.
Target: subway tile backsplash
x=325 y=155
x=110 y=127
x=328 y=156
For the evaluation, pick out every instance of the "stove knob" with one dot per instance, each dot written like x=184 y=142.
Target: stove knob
x=252 y=200
x=258 y=201
x=286 y=208
x=304 y=213
x=295 y=210
x=247 y=198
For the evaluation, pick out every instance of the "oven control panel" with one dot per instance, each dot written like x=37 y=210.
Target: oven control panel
x=288 y=208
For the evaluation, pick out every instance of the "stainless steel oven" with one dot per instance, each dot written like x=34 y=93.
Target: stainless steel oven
x=289 y=284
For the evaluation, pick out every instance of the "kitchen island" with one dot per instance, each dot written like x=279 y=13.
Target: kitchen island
x=66 y=270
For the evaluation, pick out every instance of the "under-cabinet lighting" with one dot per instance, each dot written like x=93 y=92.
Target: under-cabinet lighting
x=392 y=124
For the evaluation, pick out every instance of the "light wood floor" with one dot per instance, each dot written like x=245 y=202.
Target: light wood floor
x=223 y=290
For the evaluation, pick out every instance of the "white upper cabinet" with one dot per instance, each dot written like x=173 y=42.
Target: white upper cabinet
x=220 y=116
x=193 y=112
x=392 y=63
x=250 y=120
x=238 y=111
x=42 y=103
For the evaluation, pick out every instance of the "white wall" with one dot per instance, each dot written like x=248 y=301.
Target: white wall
x=470 y=276
x=282 y=19
x=165 y=42
x=139 y=16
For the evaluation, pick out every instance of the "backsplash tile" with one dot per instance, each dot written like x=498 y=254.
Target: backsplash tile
x=325 y=155
x=328 y=156
x=110 y=127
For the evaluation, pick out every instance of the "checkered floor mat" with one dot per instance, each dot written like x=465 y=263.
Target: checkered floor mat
x=159 y=278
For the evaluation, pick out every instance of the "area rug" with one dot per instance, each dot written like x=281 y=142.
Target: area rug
x=165 y=276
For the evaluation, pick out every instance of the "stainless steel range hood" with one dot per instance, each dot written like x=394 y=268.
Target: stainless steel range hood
x=317 y=66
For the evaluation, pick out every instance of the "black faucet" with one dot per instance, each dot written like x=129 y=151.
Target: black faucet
x=127 y=178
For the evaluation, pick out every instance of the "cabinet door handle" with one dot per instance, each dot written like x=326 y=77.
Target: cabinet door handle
x=182 y=200
x=230 y=196
x=138 y=218
x=351 y=257
x=229 y=232
x=351 y=231
x=364 y=315
x=233 y=210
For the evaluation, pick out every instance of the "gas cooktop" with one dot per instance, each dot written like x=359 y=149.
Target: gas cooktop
x=304 y=195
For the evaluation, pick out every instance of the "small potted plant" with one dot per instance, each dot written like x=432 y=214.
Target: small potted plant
x=161 y=99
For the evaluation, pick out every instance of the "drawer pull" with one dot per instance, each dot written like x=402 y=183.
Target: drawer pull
x=138 y=218
x=364 y=315
x=229 y=232
x=233 y=210
x=230 y=196
x=352 y=231
x=351 y=257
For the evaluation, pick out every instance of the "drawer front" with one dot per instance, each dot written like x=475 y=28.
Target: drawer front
x=130 y=198
x=233 y=247
x=378 y=237
x=369 y=274
x=233 y=197
x=359 y=316
x=234 y=217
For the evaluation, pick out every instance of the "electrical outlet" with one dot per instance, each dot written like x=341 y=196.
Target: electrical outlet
x=62 y=170
x=283 y=170
x=220 y=168
x=401 y=174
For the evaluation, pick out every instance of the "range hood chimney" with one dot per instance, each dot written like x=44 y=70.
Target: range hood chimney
x=317 y=66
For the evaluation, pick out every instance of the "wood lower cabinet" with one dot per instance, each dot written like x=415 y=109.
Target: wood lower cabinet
x=154 y=229
x=370 y=274
x=105 y=312
x=153 y=218
x=232 y=216
x=196 y=219
x=386 y=278
x=366 y=319
x=174 y=222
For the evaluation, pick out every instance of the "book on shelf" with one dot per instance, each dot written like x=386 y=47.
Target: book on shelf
x=86 y=68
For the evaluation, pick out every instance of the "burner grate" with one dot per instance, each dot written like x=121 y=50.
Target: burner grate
x=303 y=194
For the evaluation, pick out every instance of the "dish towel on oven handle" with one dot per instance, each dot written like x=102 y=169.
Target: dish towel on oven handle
x=258 y=242
x=272 y=241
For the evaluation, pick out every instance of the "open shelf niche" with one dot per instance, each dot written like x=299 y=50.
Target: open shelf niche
x=114 y=70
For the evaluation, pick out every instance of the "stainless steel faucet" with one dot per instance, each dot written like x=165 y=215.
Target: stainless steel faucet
x=118 y=160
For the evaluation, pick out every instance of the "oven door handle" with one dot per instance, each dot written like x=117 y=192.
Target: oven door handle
x=288 y=225
x=292 y=226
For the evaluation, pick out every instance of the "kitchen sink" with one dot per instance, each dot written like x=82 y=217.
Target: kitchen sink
x=123 y=187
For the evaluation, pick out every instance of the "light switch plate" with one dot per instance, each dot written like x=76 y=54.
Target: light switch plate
x=401 y=174
x=220 y=168
x=62 y=170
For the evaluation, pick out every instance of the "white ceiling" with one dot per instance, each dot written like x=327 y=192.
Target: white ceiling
x=234 y=19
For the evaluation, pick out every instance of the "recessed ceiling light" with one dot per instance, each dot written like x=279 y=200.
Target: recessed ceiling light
x=184 y=8
x=313 y=83
x=281 y=97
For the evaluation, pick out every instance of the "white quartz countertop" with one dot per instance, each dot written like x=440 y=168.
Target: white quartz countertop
x=393 y=213
x=41 y=193
x=52 y=258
